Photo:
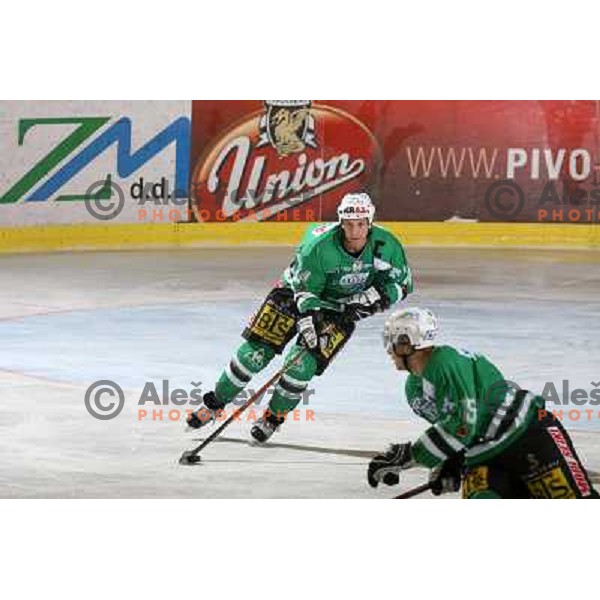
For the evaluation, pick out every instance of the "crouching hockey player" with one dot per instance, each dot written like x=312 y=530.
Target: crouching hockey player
x=482 y=433
x=341 y=273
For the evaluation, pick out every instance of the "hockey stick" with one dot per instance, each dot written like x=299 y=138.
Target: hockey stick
x=414 y=492
x=191 y=457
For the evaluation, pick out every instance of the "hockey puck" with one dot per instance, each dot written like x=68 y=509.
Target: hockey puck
x=189 y=458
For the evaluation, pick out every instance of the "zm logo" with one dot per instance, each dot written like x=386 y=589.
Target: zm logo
x=178 y=132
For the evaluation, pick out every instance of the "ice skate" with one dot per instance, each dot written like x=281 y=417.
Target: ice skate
x=206 y=413
x=265 y=427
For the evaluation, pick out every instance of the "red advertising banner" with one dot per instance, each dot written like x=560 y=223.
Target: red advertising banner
x=282 y=160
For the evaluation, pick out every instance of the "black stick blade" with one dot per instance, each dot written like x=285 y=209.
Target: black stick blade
x=189 y=458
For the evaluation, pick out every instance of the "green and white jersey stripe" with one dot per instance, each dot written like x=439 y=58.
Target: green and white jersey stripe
x=454 y=395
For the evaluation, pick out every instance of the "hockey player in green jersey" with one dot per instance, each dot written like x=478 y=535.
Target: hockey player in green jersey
x=494 y=438
x=341 y=273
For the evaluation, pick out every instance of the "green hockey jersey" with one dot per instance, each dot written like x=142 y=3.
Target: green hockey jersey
x=470 y=405
x=323 y=273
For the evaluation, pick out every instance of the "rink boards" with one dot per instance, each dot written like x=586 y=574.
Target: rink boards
x=123 y=236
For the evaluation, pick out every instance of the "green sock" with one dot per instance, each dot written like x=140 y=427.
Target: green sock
x=293 y=384
x=251 y=358
x=484 y=495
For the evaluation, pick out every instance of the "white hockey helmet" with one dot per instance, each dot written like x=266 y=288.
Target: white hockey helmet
x=419 y=326
x=356 y=206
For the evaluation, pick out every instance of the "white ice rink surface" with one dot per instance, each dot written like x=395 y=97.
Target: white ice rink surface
x=68 y=320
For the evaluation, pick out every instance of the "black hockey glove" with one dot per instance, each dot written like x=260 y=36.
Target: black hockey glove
x=386 y=467
x=446 y=478
x=365 y=304
x=306 y=325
